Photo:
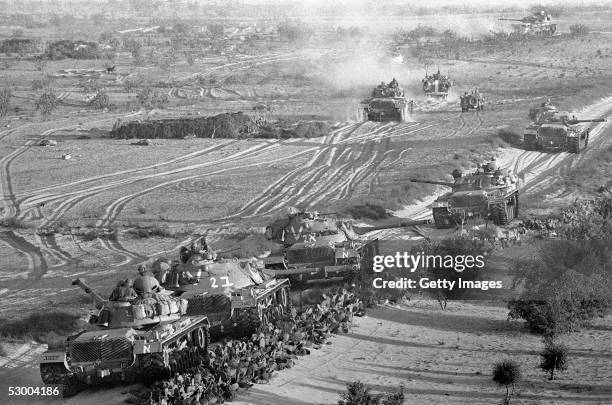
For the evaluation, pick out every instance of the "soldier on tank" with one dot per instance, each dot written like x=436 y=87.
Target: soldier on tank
x=184 y=254
x=123 y=291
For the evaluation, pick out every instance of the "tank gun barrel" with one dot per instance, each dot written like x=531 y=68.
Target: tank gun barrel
x=571 y=122
x=439 y=183
x=512 y=19
x=98 y=300
x=402 y=224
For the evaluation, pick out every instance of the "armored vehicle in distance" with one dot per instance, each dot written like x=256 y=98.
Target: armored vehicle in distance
x=539 y=24
x=436 y=85
x=148 y=336
x=489 y=193
x=387 y=103
x=554 y=129
x=472 y=101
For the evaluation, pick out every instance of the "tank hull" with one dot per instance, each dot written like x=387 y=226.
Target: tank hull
x=125 y=354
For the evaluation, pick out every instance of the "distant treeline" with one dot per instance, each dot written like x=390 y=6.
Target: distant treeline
x=228 y=125
x=65 y=48
x=18 y=45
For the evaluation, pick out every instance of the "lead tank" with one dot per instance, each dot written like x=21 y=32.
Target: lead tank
x=387 y=103
x=535 y=25
x=235 y=295
x=320 y=248
x=554 y=129
x=489 y=193
x=147 y=337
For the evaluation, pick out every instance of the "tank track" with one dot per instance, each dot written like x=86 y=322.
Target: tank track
x=56 y=374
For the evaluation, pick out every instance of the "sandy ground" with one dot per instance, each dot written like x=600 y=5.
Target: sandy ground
x=441 y=357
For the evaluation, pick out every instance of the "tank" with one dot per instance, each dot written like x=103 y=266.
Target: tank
x=487 y=194
x=235 y=295
x=387 y=103
x=320 y=248
x=436 y=85
x=539 y=24
x=556 y=130
x=472 y=101
x=147 y=337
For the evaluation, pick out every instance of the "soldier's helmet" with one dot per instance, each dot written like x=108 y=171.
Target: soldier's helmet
x=456 y=174
x=146 y=285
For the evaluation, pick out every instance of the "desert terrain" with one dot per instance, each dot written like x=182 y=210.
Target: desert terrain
x=58 y=213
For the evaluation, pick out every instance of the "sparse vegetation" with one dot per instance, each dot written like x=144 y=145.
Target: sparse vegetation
x=44 y=327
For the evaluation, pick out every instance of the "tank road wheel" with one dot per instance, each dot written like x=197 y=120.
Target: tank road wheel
x=442 y=218
x=516 y=206
x=152 y=367
x=56 y=374
x=573 y=144
x=530 y=142
x=198 y=338
x=499 y=214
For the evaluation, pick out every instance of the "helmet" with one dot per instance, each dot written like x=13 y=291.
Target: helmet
x=146 y=284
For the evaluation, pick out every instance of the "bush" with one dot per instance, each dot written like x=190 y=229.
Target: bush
x=453 y=248
x=13 y=222
x=554 y=357
x=100 y=101
x=5 y=101
x=47 y=102
x=147 y=232
x=40 y=326
x=578 y=30
x=508 y=374
x=358 y=394
x=565 y=286
x=371 y=211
